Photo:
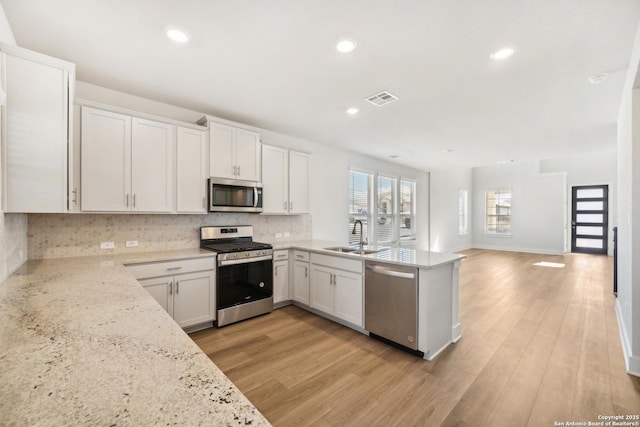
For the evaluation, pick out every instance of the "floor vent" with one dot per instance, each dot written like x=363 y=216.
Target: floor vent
x=382 y=98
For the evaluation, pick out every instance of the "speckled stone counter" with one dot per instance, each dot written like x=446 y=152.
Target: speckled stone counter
x=401 y=256
x=82 y=343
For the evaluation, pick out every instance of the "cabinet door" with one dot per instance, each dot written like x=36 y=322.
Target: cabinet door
x=105 y=160
x=275 y=180
x=222 y=151
x=194 y=298
x=298 y=182
x=348 y=297
x=321 y=288
x=35 y=133
x=152 y=147
x=248 y=155
x=191 y=179
x=280 y=281
x=161 y=289
x=301 y=282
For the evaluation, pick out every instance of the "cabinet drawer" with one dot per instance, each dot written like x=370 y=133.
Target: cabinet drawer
x=301 y=256
x=280 y=255
x=337 y=262
x=165 y=268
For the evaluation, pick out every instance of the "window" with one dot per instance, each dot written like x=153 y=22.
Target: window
x=388 y=200
x=360 y=203
x=407 y=209
x=463 y=212
x=386 y=214
x=498 y=211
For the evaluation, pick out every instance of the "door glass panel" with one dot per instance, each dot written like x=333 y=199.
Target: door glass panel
x=590 y=206
x=589 y=243
x=589 y=231
x=594 y=218
x=584 y=193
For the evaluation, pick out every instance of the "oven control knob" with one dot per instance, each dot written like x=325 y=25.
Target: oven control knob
x=261 y=284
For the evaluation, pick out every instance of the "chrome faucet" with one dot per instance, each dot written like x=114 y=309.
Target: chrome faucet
x=354 y=232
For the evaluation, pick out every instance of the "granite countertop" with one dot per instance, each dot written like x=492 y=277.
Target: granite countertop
x=81 y=342
x=400 y=256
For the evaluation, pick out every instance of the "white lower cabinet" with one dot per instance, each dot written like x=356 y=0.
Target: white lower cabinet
x=280 y=276
x=336 y=287
x=301 y=281
x=186 y=289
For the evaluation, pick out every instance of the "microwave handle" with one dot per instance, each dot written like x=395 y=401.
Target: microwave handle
x=255 y=197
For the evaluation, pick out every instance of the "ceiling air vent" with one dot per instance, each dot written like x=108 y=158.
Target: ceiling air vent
x=382 y=98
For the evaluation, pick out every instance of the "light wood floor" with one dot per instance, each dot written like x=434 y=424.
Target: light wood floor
x=538 y=345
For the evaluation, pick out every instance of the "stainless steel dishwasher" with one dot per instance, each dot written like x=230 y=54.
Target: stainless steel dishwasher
x=391 y=304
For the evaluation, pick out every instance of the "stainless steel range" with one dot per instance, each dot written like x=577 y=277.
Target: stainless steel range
x=244 y=285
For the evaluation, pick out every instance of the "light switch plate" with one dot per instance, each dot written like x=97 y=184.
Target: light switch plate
x=131 y=243
x=107 y=245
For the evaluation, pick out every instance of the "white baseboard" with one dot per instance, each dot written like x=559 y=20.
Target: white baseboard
x=632 y=362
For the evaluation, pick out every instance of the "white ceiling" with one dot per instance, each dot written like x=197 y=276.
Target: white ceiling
x=273 y=64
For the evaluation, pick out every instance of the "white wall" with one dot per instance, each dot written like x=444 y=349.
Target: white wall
x=588 y=169
x=13 y=227
x=628 y=301
x=538 y=208
x=445 y=184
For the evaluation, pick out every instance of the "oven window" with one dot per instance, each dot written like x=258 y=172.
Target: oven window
x=242 y=283
x=229 y=195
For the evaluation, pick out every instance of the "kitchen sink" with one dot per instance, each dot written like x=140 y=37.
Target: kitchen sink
x=350 y=250
x=341 y=249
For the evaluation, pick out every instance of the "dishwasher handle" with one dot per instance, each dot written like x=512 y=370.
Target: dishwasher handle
x=393 y=273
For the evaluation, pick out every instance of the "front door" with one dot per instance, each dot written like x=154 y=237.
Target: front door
x=589 y=219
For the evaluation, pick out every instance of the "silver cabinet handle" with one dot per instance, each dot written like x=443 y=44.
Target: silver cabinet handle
x=305 y=272
x=276 y=271
x=127 y=200
x=290 y=206
x=177 y=287
x=134 y=200
x=173 y=268
x=299 y=256
x=170 y=288
x=284 y=206
x=238 y=170
x=75 y=196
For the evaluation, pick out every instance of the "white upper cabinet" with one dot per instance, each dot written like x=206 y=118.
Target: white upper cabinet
x=275 y=180
x=105 y=160
x=285 y=181
x=298 y=182
x=127 y=163
x=234 y=153
x=152 y=148
x=191 y=171
x=36 y=123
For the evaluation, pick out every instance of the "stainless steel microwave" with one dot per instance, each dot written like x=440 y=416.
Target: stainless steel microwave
x=234 y=195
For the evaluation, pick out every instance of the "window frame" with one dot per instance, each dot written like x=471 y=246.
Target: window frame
x=463 y=231
x=372 y=227
x=486 y=213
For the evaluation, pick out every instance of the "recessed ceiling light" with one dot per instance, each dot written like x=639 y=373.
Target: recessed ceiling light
x=346 y=45
x=352 y=111
x=178 y=36
x=504 y=162
x=502 y=53
x=448 y=150
x=394 y=156
x=598 y=78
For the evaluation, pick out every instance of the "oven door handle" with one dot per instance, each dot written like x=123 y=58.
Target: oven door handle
x=244 y=260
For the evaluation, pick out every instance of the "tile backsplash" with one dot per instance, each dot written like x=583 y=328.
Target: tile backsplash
x=69 y=235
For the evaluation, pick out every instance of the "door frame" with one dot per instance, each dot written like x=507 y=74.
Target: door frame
x=605 y=220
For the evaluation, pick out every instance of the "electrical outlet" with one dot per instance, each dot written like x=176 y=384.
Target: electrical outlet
x=287 y=234
x=107 y=245
x=131 y=243
x=278 y=235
